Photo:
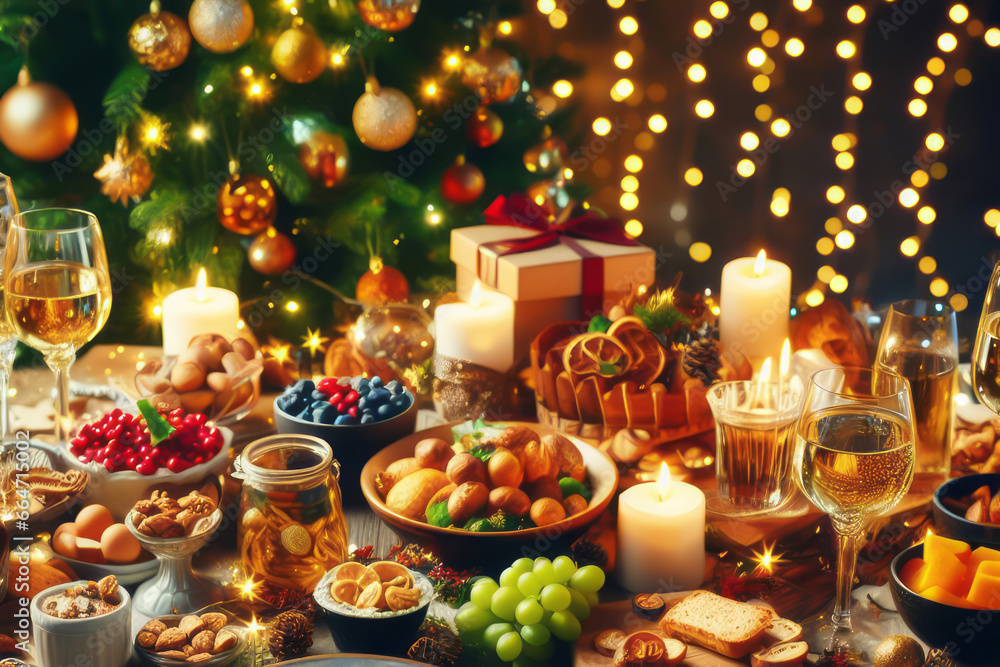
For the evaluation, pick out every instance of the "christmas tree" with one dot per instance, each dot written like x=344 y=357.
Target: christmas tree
x=279 y=144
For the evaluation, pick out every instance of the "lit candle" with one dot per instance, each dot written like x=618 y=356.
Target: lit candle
x=661 y=536
x=197 y=310
x=480 y=331
x=754 y=305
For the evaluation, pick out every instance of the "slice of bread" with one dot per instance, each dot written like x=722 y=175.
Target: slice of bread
x=725 y=626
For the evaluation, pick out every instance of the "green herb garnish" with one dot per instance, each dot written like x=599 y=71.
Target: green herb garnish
x=159 y=428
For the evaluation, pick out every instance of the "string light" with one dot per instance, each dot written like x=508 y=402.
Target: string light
x=862 y=81
x=628 y=25
x=758 y=21
x=505 y=28
x=958 y=13
x=779 y=207
x=844 y=161
x=756 y=56
x=745 y=168
x=601 y=126
x=781 y=127
x=558 y=19
x=633 y=163
x=719 y=9
x=794 y=47
x=939 y=287
x=935 y=66
x=693 y=176
x=154 y=133
x=844 y=239
x=704 y=109
x=939 y=170
x=934 y=142
x=958 y=302
x=926 y=215
x=963 y=77
x=623 y=60
x=992 y=218
x=702 y=29
x=700 y=251
x=919 y=178
x=947 y=42
x=832 y=226
x=697 y=73
x=633 y=228
x=857 y=214
x=616 y=4
x=761 y=83
x=770 y=38
x=923 y=85
x=835 y=194
x=845 y=49
x=292 y=306
x=562 y=88
x=909 y=197
x=814 y=298
x=430 y=90
x=853 y=105
x=623 y=88
x=927 y=265
x=802 y=5
x=762 y=112
x=630 y=183
x=917 y=107
x=992 y=37
x=855 y=14
x=629 y=201
x=826 y=273
x=841 y=142
x=910 y=246
x=824 y=246
x=749 y=141
x=839 y=284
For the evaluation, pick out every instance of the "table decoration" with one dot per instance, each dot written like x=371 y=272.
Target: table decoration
x=192 y=311
x=291 y=527
x=50 y=492
x=214 y=637
x=554 y=270
x=649 y=512
x=755 y=301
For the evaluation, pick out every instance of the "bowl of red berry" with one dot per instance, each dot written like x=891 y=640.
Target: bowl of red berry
x=356 y=416
x=127 y=459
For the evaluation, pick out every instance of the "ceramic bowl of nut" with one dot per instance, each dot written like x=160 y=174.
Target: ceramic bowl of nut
x=468 y=549
x=99 y=634
x=952 y=502
x=374 y=609
x=215 y=637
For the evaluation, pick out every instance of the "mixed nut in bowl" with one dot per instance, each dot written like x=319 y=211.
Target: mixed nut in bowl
x=84 y=620
x=376 y=608
x=475 y=494
x=211 y=639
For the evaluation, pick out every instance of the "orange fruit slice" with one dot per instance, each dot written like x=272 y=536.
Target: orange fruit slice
x=596 y=354
x=648 y=357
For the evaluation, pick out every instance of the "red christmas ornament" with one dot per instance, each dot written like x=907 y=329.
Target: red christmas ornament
x=381 y=284
x=247 y=204
x=272 y=253
x=462 y=183
x=484 y=128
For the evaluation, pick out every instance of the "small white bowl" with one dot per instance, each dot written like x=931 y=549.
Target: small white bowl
x=104 y=640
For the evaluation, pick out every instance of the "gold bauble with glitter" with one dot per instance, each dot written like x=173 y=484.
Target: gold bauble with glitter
x=159 y=40
x=247 y=204
x=384 y=118
x=493 y=74
x=298 y=54
x=37 y=120
x=898 y=651
x=388 y=15
x=221 y=26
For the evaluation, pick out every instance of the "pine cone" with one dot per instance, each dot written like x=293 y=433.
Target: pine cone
x=701 y=360
x=586 y=552
x=291 y=634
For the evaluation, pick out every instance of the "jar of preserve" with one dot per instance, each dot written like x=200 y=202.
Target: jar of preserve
x=292 y=528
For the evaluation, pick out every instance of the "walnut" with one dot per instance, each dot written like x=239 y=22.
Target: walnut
x=190 y=517
x=402 y=598
x=146 y=508
x=214 y=621
x=188 y=650
x=161 y=525
x=203 y=642
x=146 y=639
x=92 y=590
x=171 y=639
x=191 y=625
x=199 y=657
x=155 y=626
x=164 y=502
x=513 y=438
x=108 y=590
x=224 y=640
x=198 y=502
x=173 y=654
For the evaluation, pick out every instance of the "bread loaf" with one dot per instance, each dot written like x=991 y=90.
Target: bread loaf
x=725 y=626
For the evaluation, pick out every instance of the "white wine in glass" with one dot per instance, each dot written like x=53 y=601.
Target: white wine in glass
x=8 y=337
x=986 y=354
x=57 y=289
x=854 y=460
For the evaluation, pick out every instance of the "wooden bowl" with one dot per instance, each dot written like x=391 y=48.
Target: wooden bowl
x=491 y=551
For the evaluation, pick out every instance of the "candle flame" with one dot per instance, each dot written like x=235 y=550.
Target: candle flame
x=663 y=481
x=199 y=288
x=476 y=295
x=759 y=263
x=786 y=359
x=765 y=374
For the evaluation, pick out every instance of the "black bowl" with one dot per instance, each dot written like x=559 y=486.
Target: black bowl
x=968 y=635
x=957 y=526
x=352 y=445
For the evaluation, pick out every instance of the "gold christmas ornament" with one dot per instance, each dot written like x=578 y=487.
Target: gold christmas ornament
x=898 y=651
x=381 y=284
x=324 y=156
x=124 y=175
x=272 y=253
x=247 y=204
x=388 y=15
x=298 y=54
x=547 y=155
x=493 y=74
x=37 y=120
x=159 y=40
x=384 y=118
x=221 y=26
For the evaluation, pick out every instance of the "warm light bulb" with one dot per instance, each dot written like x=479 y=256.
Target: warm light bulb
x=857 y=214
x=628 y=25
x=947 y=42
x=623 y=60
x=697 y=73
x=756 y=56
x=846 y=49
x=855 y=14
x=657 y=123
x=749 y=141
x=835 y=194
x=794 y=47
x=704 y=109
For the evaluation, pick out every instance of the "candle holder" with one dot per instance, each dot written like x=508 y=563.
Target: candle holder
x=465 y=390
x=755 y=438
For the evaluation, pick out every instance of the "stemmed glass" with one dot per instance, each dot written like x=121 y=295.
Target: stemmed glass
x=57 y=290
x=986 y=355
x=8 y=337
x=920 y=342
x=854 y=458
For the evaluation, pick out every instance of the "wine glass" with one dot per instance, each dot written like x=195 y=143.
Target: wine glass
x=854 y=458
x=8 y=337
x=986 y=355
x=920 y=342
x=57 y=289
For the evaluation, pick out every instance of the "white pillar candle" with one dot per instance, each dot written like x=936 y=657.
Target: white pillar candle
x=754 y=308
x=480 y=331
x=198 y=310
x=661 y=536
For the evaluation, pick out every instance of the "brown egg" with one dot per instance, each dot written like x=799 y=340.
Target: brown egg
x=119 y=545
x=64 y=541
x=218 y=382
x=92 y=521
x=187 y=376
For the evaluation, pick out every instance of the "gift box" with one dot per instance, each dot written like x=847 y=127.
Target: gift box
x=559 y=272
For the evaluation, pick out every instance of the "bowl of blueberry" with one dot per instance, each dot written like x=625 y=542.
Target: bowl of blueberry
x=356 y=416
